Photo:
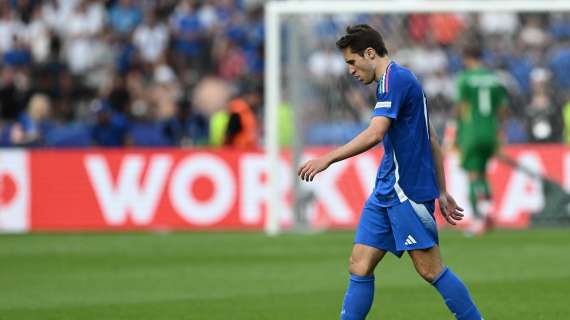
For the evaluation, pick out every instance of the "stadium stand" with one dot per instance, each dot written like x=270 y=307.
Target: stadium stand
x=165 y=67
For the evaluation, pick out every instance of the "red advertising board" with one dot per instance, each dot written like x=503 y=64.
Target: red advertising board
x=131 y=189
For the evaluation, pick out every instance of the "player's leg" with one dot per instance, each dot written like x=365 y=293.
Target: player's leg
x=479 y=191
x=475 y=192
x=485 y=204
x=373 y=238
x=474 y=162
x=415 y=231
x=360 y=292
x=429 y=265
x=363 y=260
x=480 y=200
x=475 y=195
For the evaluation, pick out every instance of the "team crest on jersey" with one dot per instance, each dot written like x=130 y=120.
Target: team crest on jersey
x=383 y=104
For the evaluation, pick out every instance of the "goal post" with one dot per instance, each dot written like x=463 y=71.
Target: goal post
x=277 y=11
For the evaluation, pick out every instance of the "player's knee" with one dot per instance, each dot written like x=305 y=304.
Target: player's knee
x=360 y=267
x=429 y=273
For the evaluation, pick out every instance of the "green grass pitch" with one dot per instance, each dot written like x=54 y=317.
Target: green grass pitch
x=512 y=275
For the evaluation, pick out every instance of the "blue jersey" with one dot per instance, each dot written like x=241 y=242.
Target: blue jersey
x=407 y=170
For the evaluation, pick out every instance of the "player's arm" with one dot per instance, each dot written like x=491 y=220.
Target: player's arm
x=438 y=160
x=368 y=138
x=449 y=209
x=502 y=115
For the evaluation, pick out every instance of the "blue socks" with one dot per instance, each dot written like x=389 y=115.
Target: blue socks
x=360 y=293
x=358 y=298
x=456 y=296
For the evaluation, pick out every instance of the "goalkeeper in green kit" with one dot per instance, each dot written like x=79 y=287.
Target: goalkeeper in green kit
x=481 y=106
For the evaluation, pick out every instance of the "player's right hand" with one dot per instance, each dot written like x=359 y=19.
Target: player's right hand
x=309 y=170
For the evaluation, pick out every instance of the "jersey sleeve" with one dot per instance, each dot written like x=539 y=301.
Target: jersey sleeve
x=503 y=99
x=390 y=96
x=461 y=89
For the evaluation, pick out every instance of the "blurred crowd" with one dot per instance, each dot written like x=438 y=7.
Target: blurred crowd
x=530 y=52
x=80 y=73
x=77 y=73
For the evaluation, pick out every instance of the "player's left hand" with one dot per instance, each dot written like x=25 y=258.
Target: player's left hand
x=309 y=170
x=449 y=209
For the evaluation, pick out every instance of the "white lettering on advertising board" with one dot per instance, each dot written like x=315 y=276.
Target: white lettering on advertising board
x=14 y=191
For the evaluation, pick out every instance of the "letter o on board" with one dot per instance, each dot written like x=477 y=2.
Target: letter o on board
x=212 y=210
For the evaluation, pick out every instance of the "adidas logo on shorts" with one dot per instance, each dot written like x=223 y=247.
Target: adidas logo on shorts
x=410 y=240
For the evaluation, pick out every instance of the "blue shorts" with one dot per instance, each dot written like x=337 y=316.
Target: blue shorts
x=405 y=226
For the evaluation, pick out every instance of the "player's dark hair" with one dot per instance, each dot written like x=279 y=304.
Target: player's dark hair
x=360 y=37
x=473 y=50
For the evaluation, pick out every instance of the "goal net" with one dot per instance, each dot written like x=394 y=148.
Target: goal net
x=307 y=83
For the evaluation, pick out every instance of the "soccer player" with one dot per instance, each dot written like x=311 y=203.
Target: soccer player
x=480 y=108
x=399 y=214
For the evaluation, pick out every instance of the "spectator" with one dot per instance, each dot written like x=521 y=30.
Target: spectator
x=14 y=93
x=520 y=67
x=533 y=34
x=493 y=23
x=34 y=124
x=445 y=27
x=230 y=59
x=189 y=42
x=427 y=58
x=110 y=128
x=167 y=128
x=83 y=25
x=151 y=39
x=162 y=72
x=10 y=27
x=560 y=26
x=242 y=124
x=124 y=16
x=560 y=64
x=37 y=35
x=19 y=55
x=56 y=12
